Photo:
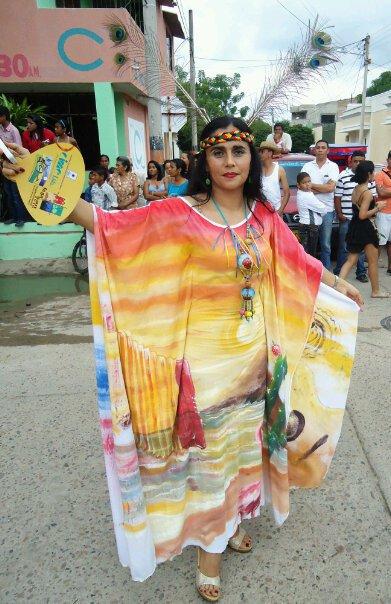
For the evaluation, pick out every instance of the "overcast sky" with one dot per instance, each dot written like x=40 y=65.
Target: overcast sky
x=248 y=34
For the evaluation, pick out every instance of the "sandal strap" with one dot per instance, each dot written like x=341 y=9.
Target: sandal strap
x=204 y=580
x=237 y=540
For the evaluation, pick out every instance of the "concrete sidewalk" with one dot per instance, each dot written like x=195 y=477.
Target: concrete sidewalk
x=57 y=541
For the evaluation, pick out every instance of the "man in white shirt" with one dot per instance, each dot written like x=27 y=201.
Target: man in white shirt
x=324 y=175
x=273 y=178
x=281 y=139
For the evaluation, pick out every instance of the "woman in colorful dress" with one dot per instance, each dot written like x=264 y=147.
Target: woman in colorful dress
x=124 y=183
x=36 y=135
x=223 y=355
x=154 y=186
x=177 y=185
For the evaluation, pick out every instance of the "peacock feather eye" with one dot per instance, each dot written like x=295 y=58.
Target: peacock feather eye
x=120 y=59
x=117 y=34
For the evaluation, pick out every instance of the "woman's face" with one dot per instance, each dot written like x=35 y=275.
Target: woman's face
x=31 y=126
x=58 y=129
x=152 y=170
x=228 y=164
x=104 y=162
x=185 y=158
x=172 y=170
x=120 y=168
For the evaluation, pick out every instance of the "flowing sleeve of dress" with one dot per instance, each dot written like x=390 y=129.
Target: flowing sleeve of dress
x=140 y=287
x=311 y=333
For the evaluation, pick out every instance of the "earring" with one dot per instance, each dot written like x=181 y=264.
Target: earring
x=249 y=180
x=207 y=181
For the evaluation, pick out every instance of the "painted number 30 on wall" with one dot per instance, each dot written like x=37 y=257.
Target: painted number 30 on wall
x=17 y=65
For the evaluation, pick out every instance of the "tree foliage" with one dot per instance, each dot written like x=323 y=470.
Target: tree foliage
x=379 y=85
x=302 y=138
x=216 y=95
x=260 y=129
x=20 y=110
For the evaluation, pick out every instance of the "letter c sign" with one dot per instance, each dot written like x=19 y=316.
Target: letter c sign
x=78 y=31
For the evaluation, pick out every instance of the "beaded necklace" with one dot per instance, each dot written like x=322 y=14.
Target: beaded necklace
x=248 y=260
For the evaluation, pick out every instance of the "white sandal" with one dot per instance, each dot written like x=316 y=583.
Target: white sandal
x=203 y=581
x=236 y=541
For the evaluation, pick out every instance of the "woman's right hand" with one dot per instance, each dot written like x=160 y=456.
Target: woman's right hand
x=10 y=169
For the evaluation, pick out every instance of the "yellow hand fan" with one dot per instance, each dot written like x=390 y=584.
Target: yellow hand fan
x=51 y=183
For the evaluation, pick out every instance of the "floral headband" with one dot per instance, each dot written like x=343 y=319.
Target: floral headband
x=225 y=137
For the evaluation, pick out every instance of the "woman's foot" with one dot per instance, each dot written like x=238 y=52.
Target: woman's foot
x=208 y=575
x=241 y=542
x=380 y=295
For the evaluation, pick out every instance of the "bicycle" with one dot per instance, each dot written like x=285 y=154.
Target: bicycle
x=79 y=255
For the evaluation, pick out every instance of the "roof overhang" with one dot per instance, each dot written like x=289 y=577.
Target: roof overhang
x=169 y=3
x=174 y=25
x=353 y=128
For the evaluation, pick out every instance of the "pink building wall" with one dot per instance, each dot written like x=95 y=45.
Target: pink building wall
x=70 y=45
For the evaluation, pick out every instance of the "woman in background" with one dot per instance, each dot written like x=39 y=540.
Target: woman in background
x=60 y=128
x=154 y=185
x=36 y=135
x=124 y=183
x=362 y=234
x=178 y=184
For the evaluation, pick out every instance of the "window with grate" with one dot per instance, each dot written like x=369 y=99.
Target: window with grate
x=327 y=118
x=68 y=3
x=134 y=7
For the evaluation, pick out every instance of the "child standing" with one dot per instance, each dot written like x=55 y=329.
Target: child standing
x=87 y=192
x=311 y=211
x=102 y=194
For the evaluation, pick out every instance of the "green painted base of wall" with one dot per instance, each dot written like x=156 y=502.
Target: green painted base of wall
x=36 y=241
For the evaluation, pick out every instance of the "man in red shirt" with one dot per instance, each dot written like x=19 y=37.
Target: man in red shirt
x=383 y=218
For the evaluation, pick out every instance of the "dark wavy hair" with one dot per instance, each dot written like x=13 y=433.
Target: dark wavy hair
x=362 y=172
x=180 y=164
x=38 y=121
x=252 y=187
x=158 y=167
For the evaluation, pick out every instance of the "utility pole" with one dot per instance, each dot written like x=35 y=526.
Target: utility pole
x=153 y=81
x=170 y=154
x=192 y=84
x=367 y=62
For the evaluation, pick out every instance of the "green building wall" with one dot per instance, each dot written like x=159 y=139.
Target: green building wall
x=36 y=241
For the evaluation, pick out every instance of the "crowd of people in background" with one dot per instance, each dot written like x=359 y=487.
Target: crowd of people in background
x=357 y=197
x=34 y=137
x=361 y=199
x=169 y=179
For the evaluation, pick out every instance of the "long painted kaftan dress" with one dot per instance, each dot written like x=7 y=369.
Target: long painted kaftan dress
x=205 y=417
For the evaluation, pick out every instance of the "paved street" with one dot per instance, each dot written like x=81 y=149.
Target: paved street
x=57 y=543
